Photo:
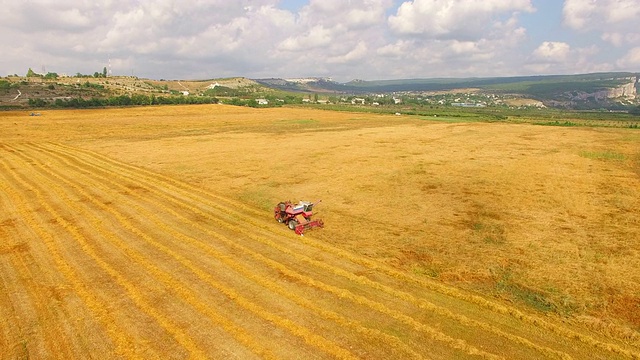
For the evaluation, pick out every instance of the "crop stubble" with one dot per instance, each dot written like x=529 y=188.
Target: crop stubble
x=154 y=266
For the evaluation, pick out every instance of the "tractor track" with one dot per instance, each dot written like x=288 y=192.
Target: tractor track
x=28 y=302
x=202 y=250
x=174 y=286
x=344 y=294
x=422 y=304
x=20 y=278
x=205 y=197
x=300 y=331
x=123 y=343
x=163 y=276
x=377 y=335
x=129 y=287
x=246 y=272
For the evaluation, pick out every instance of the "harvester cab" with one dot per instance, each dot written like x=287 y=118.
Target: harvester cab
x=297 y=217
x=304 y=207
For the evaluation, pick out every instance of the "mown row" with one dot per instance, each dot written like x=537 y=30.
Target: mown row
x=100 y=258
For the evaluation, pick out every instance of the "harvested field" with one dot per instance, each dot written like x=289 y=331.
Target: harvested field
x=148 y=233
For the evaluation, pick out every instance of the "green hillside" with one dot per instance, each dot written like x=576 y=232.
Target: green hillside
x=540 y=86
x=612 y=91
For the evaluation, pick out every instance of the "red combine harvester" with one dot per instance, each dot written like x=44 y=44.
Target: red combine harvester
x=297 y=217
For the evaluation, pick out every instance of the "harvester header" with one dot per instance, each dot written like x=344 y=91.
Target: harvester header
x=297 y=217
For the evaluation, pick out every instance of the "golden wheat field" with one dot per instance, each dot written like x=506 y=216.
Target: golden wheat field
x=149 y=233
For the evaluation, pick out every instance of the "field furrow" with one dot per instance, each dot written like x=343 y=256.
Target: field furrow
x=22 y=273
x=230 y=208
x=231 y=294
x=401 y=349
x=145 y=304
x=149 y=233
x=102 y=258
x=123 y=343
x=170 y=282
x=340 y=292
x=271 y=285
x=119 y=278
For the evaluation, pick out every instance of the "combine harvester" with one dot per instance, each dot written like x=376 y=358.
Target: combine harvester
x=297 y=217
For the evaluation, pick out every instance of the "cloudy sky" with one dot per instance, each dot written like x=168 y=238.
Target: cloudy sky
x=341 y=39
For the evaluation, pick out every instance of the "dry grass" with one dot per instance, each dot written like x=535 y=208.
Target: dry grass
x=542 y=218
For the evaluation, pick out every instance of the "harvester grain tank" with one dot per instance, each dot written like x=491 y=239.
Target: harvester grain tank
x=297 y=217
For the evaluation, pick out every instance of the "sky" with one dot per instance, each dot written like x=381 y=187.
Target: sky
x=339 y=39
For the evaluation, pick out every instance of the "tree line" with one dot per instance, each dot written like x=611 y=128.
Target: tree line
x=122 y=100
x=53 y=75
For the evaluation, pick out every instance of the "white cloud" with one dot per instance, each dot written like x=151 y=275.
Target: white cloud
x=615 y=38
x=552 y=51
x=356 y=54
x=354 y=14
x=343 y=39
x=560 y=58
x=622 y=11
x=619 y=39
x=335 y=25
x=461 y=19
x=631 y=60
x=457 y=36
x=47 y=16
x=578 y=14
x=583 y=61
x=396 y=49
x=336 y=31
x=316 y=37
x=612 y=18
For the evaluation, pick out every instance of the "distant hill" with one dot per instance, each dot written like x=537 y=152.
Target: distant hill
x=585 y=90
x=615 y=90
x=90 y=91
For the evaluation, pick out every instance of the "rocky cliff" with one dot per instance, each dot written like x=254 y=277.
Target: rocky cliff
x=627 y=91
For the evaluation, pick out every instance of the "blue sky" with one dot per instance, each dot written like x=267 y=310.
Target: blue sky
x=293 y=5
x=341 y=39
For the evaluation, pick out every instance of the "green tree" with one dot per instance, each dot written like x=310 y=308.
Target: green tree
x=31 y=73
x=51 y=75
x=104 y=72
x=37 y=103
